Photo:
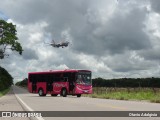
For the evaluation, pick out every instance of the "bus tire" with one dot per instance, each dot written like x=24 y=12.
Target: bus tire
x=78 y=95
x=53 y=94
x=41 y=92
x=64 y=92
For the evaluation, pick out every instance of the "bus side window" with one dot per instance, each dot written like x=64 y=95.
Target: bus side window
x=30 y=78
x=33 y=78
x=39 y=78
x=62 y=79
x=65 y=79
x=49 y=77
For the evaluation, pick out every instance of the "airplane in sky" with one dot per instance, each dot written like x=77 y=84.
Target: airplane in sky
x=60 y=44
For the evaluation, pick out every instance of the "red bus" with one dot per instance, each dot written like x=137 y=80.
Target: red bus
x=63 y=82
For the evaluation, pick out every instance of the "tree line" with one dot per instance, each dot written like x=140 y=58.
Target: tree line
x=22 y=83
x=6 y=79
x=126 y=82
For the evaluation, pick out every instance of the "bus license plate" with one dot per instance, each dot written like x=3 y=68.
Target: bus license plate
x=86 y=91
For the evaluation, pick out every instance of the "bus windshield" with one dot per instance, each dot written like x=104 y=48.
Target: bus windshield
x=84 y=79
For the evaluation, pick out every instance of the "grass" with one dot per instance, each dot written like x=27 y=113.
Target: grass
x=3 y=92
x=142 y=94
x=156 y=99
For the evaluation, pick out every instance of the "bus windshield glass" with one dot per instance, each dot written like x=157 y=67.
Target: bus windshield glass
x=84 y=78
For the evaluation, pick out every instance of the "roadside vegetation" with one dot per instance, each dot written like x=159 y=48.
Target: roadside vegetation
x=22 y=83
x=140 y=94
x=127 y=82
x=6 y=81
x=141 y=89
x=3 y=92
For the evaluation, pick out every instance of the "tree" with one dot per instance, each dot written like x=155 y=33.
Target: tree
x=8 y=39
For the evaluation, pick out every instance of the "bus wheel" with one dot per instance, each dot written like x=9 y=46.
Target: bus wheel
x=53 y=94
x=79 y=95
x=41 y=93
x=64 y=92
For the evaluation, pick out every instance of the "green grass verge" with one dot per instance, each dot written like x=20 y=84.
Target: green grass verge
x=3 y=92
x=148 y=95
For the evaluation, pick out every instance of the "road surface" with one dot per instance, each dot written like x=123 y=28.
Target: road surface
x=72 y=103
x=9 y=103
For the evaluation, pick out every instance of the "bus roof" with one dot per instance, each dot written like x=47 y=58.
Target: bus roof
x=59 y=71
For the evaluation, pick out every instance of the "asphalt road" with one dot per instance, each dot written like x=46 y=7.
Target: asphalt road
x=72 y=103
x=9 y=103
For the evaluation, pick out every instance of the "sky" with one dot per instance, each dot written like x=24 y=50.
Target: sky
x=112 y=38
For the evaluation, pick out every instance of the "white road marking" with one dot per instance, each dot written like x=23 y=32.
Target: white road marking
x=27 y=107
